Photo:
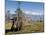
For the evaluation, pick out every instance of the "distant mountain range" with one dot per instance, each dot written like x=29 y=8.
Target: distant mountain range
x=33 y=17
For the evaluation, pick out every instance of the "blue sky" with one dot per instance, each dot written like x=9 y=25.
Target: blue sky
x=31 y=8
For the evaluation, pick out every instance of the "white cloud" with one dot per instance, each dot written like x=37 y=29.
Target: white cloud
x=29 y=0
x=32 y=13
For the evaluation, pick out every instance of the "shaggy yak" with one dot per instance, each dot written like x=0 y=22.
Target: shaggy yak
x=17 y=24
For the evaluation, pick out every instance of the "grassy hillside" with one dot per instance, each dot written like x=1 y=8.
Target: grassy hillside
x=27 y=28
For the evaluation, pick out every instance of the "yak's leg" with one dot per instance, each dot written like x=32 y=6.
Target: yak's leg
x=18 y=29
x=12 y=28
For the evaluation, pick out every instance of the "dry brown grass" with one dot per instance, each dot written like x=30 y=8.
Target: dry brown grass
x=28 y=28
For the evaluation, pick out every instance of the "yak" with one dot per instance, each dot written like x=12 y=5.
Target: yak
x=17 y=24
